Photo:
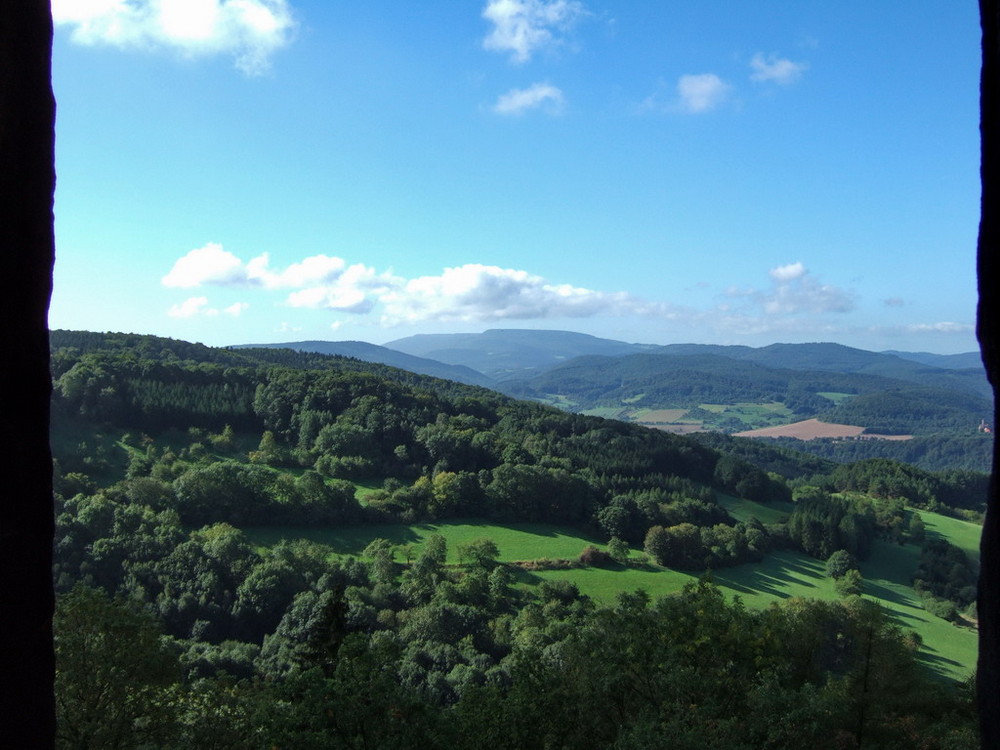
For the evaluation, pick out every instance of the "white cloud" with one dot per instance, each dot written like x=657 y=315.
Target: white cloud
x=193 y=306
x=788 y=273
x=478 y=293
x=250 y=30
x=942 y=327
x=206 y=265
x=471 y=292
x=188 y=308
x=212 y=264
x=356 y=290
x=522 y=27
x=795 y=292
x=316 y=269
x=776 y=69
x=702 y=92
x=894 y=302
x=517 y=101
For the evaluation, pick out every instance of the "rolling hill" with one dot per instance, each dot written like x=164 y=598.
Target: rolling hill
x=383 y=355
x=506 y=353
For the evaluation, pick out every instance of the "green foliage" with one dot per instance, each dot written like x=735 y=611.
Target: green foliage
x=690 y=547
x=114 y=676
x=619 y=550
x=821 y=524
x=839 y=563
x=965 y=451
x=944 y=572
x=292 y=645
x=908 y=410
x=850 y=583
x=481 y=551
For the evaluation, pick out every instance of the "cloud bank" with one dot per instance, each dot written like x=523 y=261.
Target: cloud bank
x=480 y=293
x=249 y=30
x=792 y=303
x=469 y=293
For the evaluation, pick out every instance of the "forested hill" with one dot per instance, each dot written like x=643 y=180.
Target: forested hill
x=660 y=381
x=68 y=346
x=504 y=353
x=350 y=419
x=177 y=467
x=383 y=355
x=688 y=379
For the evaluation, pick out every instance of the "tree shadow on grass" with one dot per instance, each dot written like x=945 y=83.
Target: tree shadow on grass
x=935 y=660
x=774 y=577
x=885 y=593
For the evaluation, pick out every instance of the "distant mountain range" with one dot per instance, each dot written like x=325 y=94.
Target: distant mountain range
x=374 y=353
x=508 y=353
x=966 y=360
x=629 y=380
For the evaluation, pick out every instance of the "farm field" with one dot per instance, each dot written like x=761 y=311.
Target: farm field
x=808 y=429
x=682 y=420
x=948 y=649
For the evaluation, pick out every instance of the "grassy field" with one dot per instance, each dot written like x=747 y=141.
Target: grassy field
x=656 y=416
x=744 y=510
x=948 y=649
x=516 y=541
x=962 y=534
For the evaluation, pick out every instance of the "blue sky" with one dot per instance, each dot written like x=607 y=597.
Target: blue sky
x=237 y=171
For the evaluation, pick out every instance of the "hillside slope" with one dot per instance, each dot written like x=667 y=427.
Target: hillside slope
x=383 y=355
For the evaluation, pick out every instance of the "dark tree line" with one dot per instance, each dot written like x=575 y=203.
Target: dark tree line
x=469 y=666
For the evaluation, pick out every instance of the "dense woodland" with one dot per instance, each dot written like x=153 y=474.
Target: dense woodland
x=970 y=452
x=887 y=401
x=164 y=450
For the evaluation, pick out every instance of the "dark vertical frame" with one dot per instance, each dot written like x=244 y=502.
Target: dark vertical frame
x=27 y=250
x=988 y=322
x=27 y=182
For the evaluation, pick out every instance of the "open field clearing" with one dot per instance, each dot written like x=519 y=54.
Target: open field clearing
x=948 y=649
x=656 y=416
x=808 y=429
x=677 y=429
x=963 y=534
x=744 y=510
x=604 y=584
x=517 y=541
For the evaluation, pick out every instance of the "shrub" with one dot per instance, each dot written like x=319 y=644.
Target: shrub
x=591 y=555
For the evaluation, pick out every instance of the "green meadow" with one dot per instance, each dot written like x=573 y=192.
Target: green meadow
x=948 y=649
x=517 y=541
x=744 y=510
x=963 y=534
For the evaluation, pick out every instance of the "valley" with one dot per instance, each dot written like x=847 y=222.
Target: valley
x=272 y=527
x=819 y=393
